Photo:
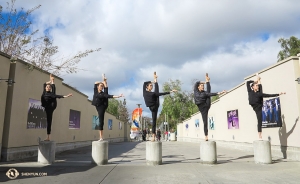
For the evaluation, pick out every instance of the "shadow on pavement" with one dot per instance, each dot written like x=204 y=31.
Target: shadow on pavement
x=70 y=161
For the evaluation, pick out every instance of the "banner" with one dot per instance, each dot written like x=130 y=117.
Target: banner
x=36 y=116
x=271 y=113
x=135 y=126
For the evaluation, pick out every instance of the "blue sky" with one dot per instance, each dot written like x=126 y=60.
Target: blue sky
x=183 y=40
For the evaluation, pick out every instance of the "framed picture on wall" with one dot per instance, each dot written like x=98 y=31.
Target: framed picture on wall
x=95 y=123
x=74 y=119
x=233 y=119
x=36 y=116
x=109 y=124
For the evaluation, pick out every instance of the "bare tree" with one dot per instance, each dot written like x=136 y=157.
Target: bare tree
x=18 y=41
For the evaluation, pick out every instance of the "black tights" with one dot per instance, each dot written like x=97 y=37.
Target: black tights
x=101 y=111
x=154 y=110
x=49 y=112
x=258 y=110
x=203 y=108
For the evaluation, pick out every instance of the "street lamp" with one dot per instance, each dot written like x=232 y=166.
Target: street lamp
x=9 y=81
x=139 y=105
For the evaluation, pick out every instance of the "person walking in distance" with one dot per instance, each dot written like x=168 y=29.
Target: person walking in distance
x=255 y=97
x=203 y=101
x=152 y=100
x=100 y=101
x=49 y=102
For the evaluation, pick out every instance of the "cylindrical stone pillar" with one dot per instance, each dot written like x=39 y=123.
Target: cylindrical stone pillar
x=208 y=152
x=262 y=152
x=100 y=152
x=154 y=153
x=46 y=152
x=172 y=137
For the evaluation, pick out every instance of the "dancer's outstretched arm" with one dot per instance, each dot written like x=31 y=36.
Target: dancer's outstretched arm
x=264 y=95
x=63 y=96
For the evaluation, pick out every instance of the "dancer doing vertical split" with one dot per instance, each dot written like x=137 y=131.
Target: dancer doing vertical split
x=152 y=100
x=203 y=101
x=49 y=102
x=255 y=97
x=100 y=100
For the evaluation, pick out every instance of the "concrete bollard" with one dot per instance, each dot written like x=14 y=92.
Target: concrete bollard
x=154 y=153
x=208 y=152
x=262 y=152
x=172 y=137
x=46 y=152
x=100 y=152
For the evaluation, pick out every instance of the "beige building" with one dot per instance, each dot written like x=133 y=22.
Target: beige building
x=19 y=137
x=285 y=140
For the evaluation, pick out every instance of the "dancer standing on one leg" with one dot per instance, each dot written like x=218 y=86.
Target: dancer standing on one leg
x=255 y=96
x=152 y=101
x=100 y=100
x=49 y=102
x=203 y=101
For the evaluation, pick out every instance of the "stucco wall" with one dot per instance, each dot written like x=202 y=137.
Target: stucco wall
x=29 y=84
x=277 y=78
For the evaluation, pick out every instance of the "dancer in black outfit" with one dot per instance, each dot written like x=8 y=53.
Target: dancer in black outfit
x=255 y=97
x=100 y=100
x=152 y=100
x=49 y=102
x=203 y=101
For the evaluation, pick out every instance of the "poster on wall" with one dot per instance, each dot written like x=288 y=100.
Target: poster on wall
x=211 y=123
x=109 y=124
x=233 y=119
x=95 y=125
x=120 y=125
x=74 y=119
x=36 y=118
x=271 y=113
x=197 y=123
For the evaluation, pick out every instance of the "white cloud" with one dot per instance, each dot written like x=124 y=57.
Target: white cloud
x=178 y=39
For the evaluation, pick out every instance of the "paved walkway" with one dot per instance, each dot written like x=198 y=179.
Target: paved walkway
x=181 y=164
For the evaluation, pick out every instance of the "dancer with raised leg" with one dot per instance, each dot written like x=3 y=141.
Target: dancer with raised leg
x=100 y=100
x=49 y=102
x=152 y=100
x=203 y=101
x=255 y=97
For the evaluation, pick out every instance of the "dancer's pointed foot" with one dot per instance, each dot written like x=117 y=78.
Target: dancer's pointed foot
x=206 y=138
x=207 y=79
x=48 y=138
x=51 y=78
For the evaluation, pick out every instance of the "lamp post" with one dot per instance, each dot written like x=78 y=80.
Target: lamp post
x=139 y=113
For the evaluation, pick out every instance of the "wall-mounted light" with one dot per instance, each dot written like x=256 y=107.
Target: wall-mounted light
x=9 y=81
x=298 y=80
